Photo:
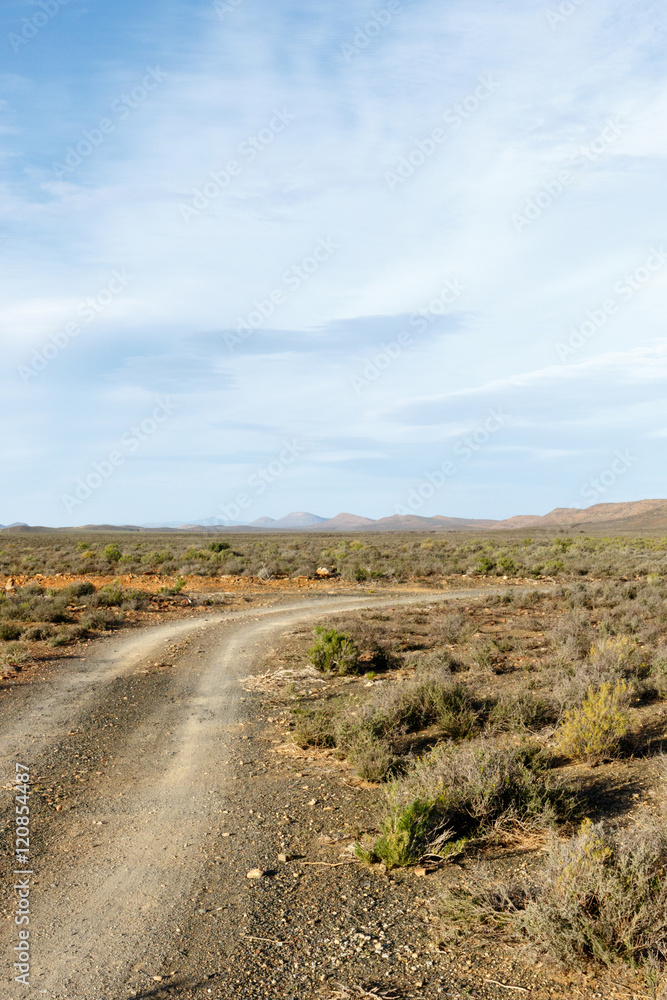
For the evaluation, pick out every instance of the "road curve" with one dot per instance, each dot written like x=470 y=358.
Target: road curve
x=114 y=872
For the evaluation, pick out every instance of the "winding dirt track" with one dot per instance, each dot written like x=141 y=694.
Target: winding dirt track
x=113 y=875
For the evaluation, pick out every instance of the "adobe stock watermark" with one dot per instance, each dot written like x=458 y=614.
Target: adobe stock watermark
x=599 y=485
x=624 y=290
x=121 y=108
x=248 y=150
x=88 y=311
x=293 y=278
x=260 y=480
x=552 y=190
x=419 y=322
x=464 y=450
x=224 y=8
x=23 y=871
x=454 y=117
x=366 y=33
x=564 y=10
x=31 y=26
x=131 y=441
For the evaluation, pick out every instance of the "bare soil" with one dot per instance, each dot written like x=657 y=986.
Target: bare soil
x=162 y=778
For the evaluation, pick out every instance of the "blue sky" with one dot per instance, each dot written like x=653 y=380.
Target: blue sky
x=275 y=255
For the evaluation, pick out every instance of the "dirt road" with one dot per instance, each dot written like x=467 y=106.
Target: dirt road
x=131 y=749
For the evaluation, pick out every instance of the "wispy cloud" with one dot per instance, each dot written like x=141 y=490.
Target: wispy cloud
x=325 y=173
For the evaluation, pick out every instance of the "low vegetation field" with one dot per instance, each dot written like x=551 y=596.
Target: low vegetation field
x=354 y=558
x=525 y=725
x=512 y=743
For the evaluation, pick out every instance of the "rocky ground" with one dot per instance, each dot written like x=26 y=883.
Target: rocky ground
x=162 y=781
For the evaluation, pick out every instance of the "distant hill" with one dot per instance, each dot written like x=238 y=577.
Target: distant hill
x=300 y=519
x=632 y=516
x=15 y=529
x=413 y=522
x=346 y=522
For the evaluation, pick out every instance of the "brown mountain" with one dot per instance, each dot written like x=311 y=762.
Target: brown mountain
x=633 y=515
x=463 y=522
x=413 y=522
x=345 y=522
x=297 y=519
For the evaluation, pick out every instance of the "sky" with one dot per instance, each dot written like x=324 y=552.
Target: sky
x=383 y=257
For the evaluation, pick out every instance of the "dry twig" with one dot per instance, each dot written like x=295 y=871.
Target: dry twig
x=359 y=993
x=328 y=864
x=265 y=940
x=504 y=986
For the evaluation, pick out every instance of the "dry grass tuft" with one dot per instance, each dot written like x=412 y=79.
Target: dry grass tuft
x=455 y=793
x=275 y=681
x=594 y=732
x=364 y=993
x=601 y=897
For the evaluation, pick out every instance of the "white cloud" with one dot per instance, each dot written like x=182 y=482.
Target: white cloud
x=324 y=175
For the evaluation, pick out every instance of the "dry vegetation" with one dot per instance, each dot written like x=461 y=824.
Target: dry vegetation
x=523 y=714
x=533 y=713
x=355 y=558
x=39 y=623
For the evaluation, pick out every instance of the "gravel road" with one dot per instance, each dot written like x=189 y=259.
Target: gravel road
x=133 y=748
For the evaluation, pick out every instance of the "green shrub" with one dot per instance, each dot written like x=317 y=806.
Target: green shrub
x=435 y=701
x=521 y=712
x=36 y=632
x=219 y=546
x=334 y=652
x=59 y=639
x=409 y=706
x=314 y=727
x=47 y=609
x=368 y=735
x=454 y=627
x=485 y=565
x=456 y=792
x=14 y=653
x=403 y=839
x=156 y=558
x=603 y=896
x=372 y=758
x=594 y=731
x=111 y=596
x=659 y=671
x=194 y=555
x=134 y=599
x=9 y=632
x=508 y=566
x=80 y=589
x=175 y=590
x=617 y=657
x=112 y=553
x=100 y=618
x=31 y=590
x=483 y=652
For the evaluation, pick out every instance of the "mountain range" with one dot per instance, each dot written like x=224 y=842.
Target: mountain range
x=634 y=515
